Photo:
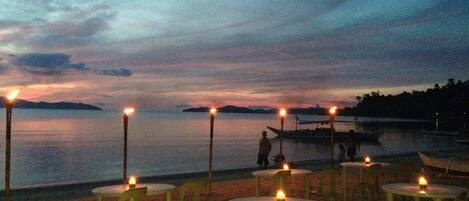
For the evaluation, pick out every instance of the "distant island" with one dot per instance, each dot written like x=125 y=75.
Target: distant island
x=450 y=101
x=237 y=109
x=45 y=105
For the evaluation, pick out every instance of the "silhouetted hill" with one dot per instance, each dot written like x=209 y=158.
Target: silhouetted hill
x=450 y=101
x=45 y=105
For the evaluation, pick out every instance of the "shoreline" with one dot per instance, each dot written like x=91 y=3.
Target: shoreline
x=82 y=190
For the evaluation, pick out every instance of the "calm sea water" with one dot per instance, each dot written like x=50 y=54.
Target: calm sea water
x=59 y=146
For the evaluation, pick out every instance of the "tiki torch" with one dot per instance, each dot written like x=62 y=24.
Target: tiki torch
x=127 y=112
x=282 y=113
x=9 y=110
x=332 y=113
x=213 y=112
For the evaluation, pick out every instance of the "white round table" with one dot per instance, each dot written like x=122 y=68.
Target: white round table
x=356 y=165
x=266 y=199
x=434 y=191
x=117 y=190
x=306 y=174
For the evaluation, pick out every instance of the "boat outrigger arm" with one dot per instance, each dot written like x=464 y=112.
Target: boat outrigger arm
x=322 y=122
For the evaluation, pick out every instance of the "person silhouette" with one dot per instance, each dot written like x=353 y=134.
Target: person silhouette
x=264 y=150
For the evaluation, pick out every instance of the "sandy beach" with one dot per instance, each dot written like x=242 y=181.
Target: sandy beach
x=228 y=184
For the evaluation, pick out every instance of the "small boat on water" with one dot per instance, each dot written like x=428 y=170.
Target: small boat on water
x=462 y=140
x=324 y=134
x=441 y=133
x=457 y=166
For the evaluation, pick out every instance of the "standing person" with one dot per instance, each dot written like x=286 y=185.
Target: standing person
x=341 y=155
x=352 y=145
x=264 y=150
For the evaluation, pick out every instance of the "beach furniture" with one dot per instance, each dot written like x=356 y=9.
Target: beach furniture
x=451 y=166
x=134 y=194
x=356 y=165
x=434 y=191
x=369 y=187
x=325 y=192
x=196 y=187
x=295 y=173
x=115 y=191
x=280 y=181
x=403 y=171
x=266 y=199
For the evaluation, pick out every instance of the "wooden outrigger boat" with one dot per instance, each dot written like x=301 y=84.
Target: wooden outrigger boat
x=454 y=166
x=324 y=134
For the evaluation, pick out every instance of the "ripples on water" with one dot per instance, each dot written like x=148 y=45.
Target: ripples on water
x=59 y=146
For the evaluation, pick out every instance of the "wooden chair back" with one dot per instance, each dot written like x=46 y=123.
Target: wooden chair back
x=196 y=187
x=280 y=181
x=134 y=194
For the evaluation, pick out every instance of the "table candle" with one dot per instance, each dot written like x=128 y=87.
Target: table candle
x=132 y=182
x=423 y=183
x=280 y=196
x=367 y=160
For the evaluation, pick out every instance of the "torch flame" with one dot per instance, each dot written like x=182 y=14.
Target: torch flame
x=333 y=110
x=282 y=112
x=11 y=96
x=213 y=111
x=129 y=110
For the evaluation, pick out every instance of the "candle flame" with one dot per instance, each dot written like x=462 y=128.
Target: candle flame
x=286 y=166
x=280 y=195
x=213 y=111
x=282 y=112
x=333 y=110
x=11 y=96
x=423 y=181
x=129 y=110
x=132 y=180
x=367 y=159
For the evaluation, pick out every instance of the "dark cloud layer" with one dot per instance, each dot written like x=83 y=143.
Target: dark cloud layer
x=55 y=63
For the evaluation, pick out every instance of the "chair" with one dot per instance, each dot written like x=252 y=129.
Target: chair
x=134 y=194
x=280 y=181
x=194 y=186
x=324 y=193
x=404 y=171
x=369 y=187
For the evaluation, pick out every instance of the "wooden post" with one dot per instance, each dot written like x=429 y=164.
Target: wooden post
x=331 y=122
x=126 y=122
x=210 y=156
x=282 y=121
x=9 y=110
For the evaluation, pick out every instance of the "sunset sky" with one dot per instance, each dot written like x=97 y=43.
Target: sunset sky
x=167 y=55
